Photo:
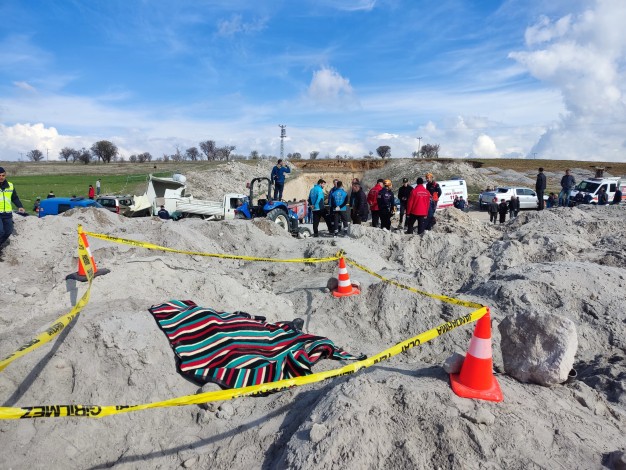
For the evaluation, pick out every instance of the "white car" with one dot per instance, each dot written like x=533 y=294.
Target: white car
x=527 y=197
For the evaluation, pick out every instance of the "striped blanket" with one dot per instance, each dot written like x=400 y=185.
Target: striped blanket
x=237 y=349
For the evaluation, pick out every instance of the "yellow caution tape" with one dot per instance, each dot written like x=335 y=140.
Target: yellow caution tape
x=96 y=411
x=61 y=323
x=151 y=246
x=443 y=298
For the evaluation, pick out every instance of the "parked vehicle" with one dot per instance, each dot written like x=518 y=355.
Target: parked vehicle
x=118 y=204
x=172 y=193
x=278 y=211
x=527 y=197
x=588 y=189
x=450 y=189
x=58 y=205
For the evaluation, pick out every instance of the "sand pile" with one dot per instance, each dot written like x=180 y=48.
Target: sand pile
x=398 y=414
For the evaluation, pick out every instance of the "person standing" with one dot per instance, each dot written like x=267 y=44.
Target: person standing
x=617 y=198
x=567 y=184
x=98 y=184
x=278 y=178
x=358 y=204
x=36 y=205
x=316 y=199
x=435 y=193
x=514 y=206
x=386 y=202
x=91 y=192
x=603 y=198
x=403 y=194
x=540 y=187
x=417 y=207
x=372 y=200
x=8 y=199
x=493 y=210
x=50 y=195
x=339 y=209
x=503 y=208
x=461 y=204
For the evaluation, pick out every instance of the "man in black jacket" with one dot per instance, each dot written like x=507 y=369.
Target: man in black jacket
x=359 y=208
x=540 y=187
x=8 y=200
x=403 y=194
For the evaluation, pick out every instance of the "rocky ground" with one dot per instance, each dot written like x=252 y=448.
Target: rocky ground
x=397 y=414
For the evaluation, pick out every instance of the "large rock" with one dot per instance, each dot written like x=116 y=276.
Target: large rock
x=538 y=348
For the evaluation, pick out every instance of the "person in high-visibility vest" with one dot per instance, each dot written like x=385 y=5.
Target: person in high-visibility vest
x=8 y=199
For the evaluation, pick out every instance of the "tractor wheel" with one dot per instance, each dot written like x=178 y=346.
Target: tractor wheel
x=304 y=232
x=279 y=216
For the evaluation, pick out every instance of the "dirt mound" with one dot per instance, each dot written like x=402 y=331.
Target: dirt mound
x=399 y=413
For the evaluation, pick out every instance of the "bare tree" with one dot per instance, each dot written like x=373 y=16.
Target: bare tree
x=314 y=154
x=66 y=153
x=166 y=157
x=254 y=155
x=430 y=151
x=295 y=156
x=144 y=157
x=384 y=151
x=208 y=148
x=133 y=158
x=84 y=156
x=415 y=154
x=35 y=155
x=193 y=154
x=104 y=150
x=223 y=153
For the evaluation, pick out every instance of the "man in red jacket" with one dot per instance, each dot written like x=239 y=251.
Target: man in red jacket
x=417 y=207
x=372 y=200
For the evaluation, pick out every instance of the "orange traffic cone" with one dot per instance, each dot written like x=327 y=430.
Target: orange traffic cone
x=81 y=275
x=476 y=379
x=345 y=287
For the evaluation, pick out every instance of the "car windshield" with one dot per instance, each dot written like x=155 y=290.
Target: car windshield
x=588 y=186
x=503 y=190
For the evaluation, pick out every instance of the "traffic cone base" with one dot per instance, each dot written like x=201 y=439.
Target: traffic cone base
x=344 y=287
x=493 y=393
x=81 y=275
x=476 y=379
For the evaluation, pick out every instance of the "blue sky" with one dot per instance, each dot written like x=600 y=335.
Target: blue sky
x=513 y=78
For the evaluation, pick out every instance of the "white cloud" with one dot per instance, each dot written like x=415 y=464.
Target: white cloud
x=17 y=140
x=329 y=88
x=584 y=57
x=236 y=25
x=25 y=86
x=485 y=147
x=386 y=136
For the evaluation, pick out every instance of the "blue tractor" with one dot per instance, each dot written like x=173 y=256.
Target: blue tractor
x=276 y=211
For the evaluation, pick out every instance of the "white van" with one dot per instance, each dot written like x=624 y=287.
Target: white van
x=592 y=186
x=449 y=189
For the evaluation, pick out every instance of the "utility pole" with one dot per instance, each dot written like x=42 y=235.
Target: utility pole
x=47 y=156
x=419 y=146
x=283 y=134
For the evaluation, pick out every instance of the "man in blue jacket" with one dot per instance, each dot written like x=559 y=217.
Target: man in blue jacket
x=339 y=208
x=8 y=200
x=316 y=199
x=278 y=179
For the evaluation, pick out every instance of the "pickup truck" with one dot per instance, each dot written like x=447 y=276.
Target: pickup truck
x=172 y=194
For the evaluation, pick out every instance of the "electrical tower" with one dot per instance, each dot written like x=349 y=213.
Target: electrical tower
x=283 y=134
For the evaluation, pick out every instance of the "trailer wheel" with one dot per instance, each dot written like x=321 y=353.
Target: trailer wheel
x=279 y=216
x=304 y=232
